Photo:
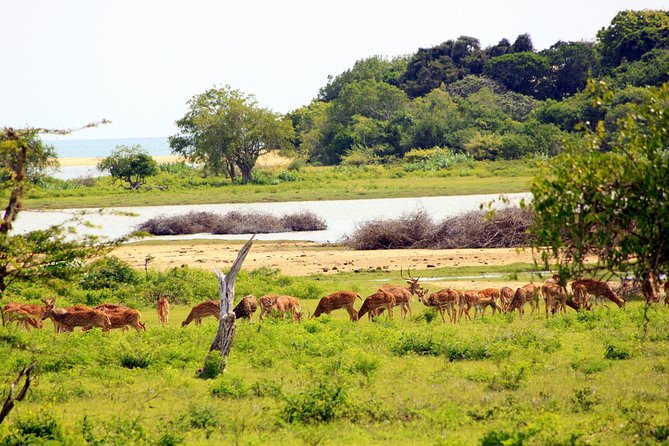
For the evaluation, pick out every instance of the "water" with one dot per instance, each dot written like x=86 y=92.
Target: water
x=341 y=216
x=100 y=148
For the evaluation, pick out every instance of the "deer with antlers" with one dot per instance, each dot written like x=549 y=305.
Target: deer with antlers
x=529 y=293
x=336 y=301
x=584 y=287
x=382 y=299
x=403 y=295
x=202 y=310
x=163 y=309
x=444 y=300
x=69 y=319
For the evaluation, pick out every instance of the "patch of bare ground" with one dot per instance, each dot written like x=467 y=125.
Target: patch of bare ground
x=306 y=258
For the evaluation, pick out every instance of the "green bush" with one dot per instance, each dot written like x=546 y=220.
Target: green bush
x=617 y=351
x=320 y=404
x=230 y=387
x=108 y=272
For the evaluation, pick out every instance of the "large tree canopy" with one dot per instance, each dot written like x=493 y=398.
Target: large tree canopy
x=609 y=197
x=226 y=129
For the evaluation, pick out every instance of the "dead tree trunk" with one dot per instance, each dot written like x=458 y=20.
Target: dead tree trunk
x=226 y=323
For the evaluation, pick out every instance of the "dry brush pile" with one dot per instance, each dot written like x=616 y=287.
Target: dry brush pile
x=232 y=223
x=506 y=228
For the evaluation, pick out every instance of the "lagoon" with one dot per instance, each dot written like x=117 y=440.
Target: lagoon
x=341 y=216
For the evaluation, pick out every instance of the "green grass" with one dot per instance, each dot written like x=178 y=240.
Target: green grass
x=310 y=183
x=582 y=378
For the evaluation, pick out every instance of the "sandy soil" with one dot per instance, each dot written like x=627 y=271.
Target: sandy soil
x=268 y=160
x=305 y=258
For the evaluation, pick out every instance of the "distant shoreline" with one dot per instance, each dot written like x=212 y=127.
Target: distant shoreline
x=93 y=161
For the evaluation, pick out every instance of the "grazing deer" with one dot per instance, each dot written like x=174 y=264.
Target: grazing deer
x=336 y=301
x=289 y=304
x=505 y=297
x=380 y=299
x=444 y=300
x=122 y=317
x=246 y=307
x=163 y=309
x=267 y=304
x=555 y=297
x=202 y=310
x=529 y=293
x=583 y=287
x=24 y=315
x=403 y=295
x=479 y=300
x=71 y=319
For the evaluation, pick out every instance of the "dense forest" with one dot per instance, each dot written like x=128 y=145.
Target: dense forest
x=505 y=101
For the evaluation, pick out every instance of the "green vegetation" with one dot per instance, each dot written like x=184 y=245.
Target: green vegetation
x=131 y=165
x=608 y=196
x=179 y=183
x=579 y=378
x=500 y=102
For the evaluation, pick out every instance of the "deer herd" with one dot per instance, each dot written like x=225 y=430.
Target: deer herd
x=585 y=293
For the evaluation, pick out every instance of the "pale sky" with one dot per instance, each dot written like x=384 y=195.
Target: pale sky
x=137 y=62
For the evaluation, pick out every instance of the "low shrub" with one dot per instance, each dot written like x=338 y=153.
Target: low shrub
x=319 y=404
x=617 y=351
x=108 y=272
x=231 y=223
x=505 y=229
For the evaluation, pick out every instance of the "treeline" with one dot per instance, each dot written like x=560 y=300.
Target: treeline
x=501 y=102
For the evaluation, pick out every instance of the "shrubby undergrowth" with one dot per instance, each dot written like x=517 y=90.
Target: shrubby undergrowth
x=232 y=223
x=506 y=228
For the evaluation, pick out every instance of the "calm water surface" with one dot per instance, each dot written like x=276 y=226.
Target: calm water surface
x=341 y=216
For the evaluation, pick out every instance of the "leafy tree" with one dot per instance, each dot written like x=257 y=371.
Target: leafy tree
x=632 y=34
x=609 y=203
x=571 y=64
x=43 y=254
x=225 y=128
x=375 y=68
x=651 y=69
x=525 y=73
x=522 y=44
x=131 y=165
x=503 y=47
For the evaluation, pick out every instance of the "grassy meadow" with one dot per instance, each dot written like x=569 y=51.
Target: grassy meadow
x=181 y=184
x=599 y=377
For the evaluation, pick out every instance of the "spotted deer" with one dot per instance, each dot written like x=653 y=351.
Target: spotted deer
x=289 y=305
x=445 y=301
x=202 y=310
x=246 y=307
x=529 y=293
x=479 y=300
x=380 y=299
x=336 y=301
x=267 y=304
x=555 y=297
x=505 y=297
x=163 y=309
x=121 y=317
x=70 y=319
x=584 y=287
x=24 y=315
x=403 y=295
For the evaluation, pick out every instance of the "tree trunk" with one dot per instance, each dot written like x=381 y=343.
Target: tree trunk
x=246 y=173
x=226 y=324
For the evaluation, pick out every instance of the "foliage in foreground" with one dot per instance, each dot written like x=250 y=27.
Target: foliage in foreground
x=609 y=196
x=497 y=380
